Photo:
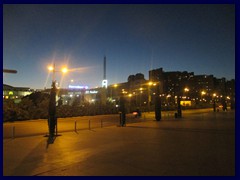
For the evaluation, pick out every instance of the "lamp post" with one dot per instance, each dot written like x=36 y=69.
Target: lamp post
x=179 y=109
x=140 y=98
x=214 y=102
x=202 y=97
x=158 y=103
x=52 y=119
x=167 y=98
x=122 y=110
x=149 y=95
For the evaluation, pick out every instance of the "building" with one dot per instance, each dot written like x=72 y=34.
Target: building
x=15 y=93
x=198 y=88
x=141 y=93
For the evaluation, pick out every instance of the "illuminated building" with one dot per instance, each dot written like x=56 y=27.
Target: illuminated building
x=16 y=93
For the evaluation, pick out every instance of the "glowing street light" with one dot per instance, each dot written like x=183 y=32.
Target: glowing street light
x=50 y=68
x=53 y=70
x=64 y=70
x=186 y=89
x=149 y=96
x=203 y=92
x=214 y=102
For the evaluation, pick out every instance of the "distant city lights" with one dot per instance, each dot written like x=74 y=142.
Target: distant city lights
x=91 y=92
x=77 y=87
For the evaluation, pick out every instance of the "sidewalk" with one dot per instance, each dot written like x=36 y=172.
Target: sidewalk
x=191 y=146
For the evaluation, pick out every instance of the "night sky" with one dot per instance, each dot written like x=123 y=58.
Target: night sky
x=134 y=38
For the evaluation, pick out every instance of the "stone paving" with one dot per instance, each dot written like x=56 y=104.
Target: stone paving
x=196 y=145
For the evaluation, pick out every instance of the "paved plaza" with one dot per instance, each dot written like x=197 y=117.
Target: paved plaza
x=200 y=144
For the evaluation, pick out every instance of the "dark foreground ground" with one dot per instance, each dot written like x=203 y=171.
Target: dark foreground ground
x=201 y=144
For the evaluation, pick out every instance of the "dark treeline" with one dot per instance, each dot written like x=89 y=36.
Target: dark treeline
x=35 y=106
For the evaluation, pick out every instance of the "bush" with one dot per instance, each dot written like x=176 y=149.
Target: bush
x=9 y=110
x=35 y=106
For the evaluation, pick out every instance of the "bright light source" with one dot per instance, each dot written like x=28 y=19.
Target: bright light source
x=214 y=94
x=203 y=92
x=150 y=83
x=50 y=68
x=115 y=85
x=186 y=89
x=64 y=70
x=130 y=95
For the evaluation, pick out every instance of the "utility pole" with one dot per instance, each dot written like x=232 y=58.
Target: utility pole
x=52 y=120
x=158 y=102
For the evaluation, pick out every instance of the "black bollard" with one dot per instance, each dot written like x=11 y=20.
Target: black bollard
x=52 y=120
x=179 y=109
x=123 y=111
x=214 y=106
x=158 y=115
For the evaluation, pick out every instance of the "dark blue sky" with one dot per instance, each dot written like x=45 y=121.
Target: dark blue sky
x=134 y=38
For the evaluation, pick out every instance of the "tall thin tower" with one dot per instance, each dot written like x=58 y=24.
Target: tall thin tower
x=104 y=67
x=104 y=82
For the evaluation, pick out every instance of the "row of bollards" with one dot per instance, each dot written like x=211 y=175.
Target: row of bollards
x=89 y=125
x=13 y=130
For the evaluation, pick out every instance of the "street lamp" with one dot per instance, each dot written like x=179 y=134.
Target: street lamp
x=149 y=94
x=52 y=119
x=158 y=107
x=167 y=98
x=214 y=102
x=157 y=99
x=202 y=94
x=186 y=89
x=140 y=97
x=64 y=70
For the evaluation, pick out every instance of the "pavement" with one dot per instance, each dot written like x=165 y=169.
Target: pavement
x=196 y=145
